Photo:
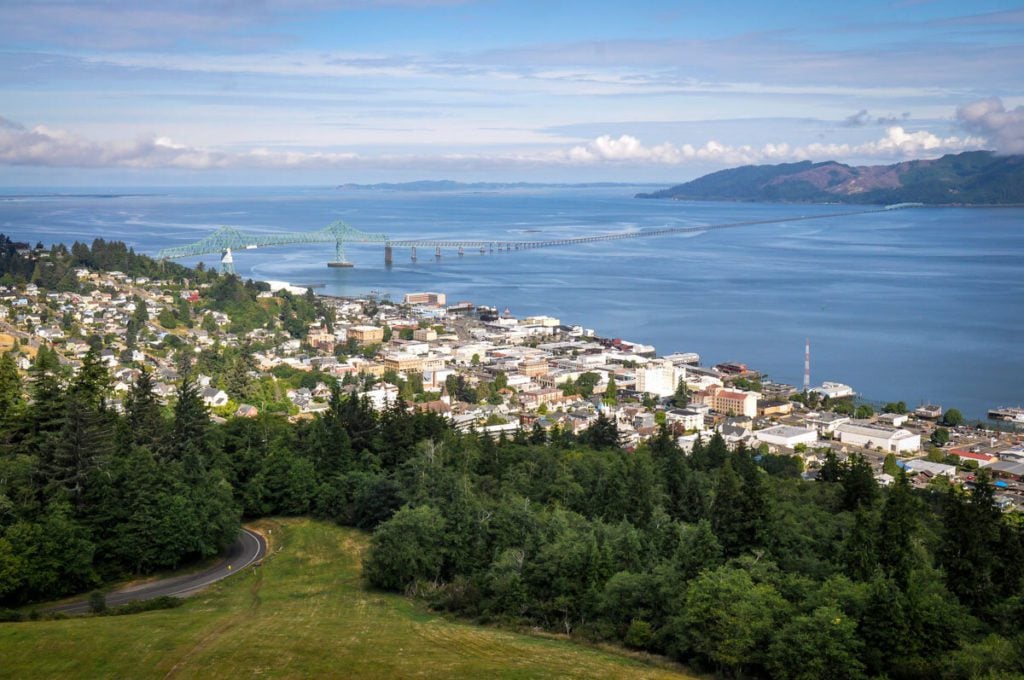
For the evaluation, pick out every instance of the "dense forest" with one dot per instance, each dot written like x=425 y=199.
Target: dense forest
x=726 y=560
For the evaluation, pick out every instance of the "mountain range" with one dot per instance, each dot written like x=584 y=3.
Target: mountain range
x=969 y=178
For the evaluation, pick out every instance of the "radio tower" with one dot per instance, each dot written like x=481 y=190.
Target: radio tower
x=807 y=365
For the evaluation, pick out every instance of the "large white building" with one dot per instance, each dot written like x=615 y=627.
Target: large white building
x=659 y=377
x=834 y=390
x=882 y=437
x=784 y=435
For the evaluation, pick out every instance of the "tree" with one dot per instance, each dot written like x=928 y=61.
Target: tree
x=952 y=418
x=858 y=483
x=406 y=548
x=602 y=434
x=899 y=407
x=864 y=411
x=889 y=465
x=611 y=392
x=940 y=436
x=728 y=619
x=971 y=548
x=681 y=397
x=822 y=644
x=858 y=552
x=896 y=531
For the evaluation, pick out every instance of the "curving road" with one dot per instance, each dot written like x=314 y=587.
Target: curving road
x=248 y=549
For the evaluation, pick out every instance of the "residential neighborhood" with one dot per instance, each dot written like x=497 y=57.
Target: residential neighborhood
x=483 y=370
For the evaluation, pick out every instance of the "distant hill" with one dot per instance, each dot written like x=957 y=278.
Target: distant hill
x=970 y=178
x=450 y=185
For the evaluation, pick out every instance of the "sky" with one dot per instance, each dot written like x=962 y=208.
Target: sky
x=211 y=92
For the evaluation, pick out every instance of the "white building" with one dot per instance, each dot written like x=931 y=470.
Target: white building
x=881 y=437
x=659 y=378
x=934 y=469
x=834 y=390
x=826 y=422
x=786 y=436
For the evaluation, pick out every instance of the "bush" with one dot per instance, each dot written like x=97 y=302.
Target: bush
x=97 y=602
x=163 y=602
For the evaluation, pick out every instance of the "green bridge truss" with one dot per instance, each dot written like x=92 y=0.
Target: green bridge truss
x=227 y=239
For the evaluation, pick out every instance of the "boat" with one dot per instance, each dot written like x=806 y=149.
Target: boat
x=1013 y=414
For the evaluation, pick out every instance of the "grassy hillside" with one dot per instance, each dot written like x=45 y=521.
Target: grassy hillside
x=305 y=613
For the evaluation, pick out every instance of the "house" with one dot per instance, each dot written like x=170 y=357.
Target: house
x=246 y=411
x=213 y=397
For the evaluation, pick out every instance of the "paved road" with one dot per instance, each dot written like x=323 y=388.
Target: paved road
x=248 y=549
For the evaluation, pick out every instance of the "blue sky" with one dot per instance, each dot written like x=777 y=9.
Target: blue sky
x=119 y=92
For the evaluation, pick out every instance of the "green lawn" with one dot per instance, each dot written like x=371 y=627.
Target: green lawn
x=303 y=614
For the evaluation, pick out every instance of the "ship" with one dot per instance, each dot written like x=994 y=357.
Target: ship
x=1013 y=414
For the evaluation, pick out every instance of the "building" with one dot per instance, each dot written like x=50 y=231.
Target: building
x=881 y=437
x=826 y=422
x=687 y=418
x=402 y=362
x=786 y=436
x=834 y=390
x=729 y=402
x=929 y=411
x=433 y=299
x=893 y=419
x=321 y=338
x=424 y=334
x=366 y=335
x=928 y=467
x=658 y=378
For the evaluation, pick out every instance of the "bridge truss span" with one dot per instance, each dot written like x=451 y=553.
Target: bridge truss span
x=228 y=239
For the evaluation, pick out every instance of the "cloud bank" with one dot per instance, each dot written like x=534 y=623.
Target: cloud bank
x=990 y=118
x=47 y=147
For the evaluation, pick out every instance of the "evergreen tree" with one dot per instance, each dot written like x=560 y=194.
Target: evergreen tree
x=858 y=483
x=190 y=436
x=858 y=552
x=970 y=552
x=896 y=532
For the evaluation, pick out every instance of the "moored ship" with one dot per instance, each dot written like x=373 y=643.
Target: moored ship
x=1014 y=414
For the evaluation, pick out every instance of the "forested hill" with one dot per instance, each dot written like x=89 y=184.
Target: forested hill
x=969 y=178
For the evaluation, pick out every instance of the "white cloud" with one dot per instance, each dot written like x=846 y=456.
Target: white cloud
x=897 y=143
x=43 y=146
x=990 y=118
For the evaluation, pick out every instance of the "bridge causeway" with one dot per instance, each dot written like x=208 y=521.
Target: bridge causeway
x=228 y=240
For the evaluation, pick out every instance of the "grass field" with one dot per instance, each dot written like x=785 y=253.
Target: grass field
x=303 y=614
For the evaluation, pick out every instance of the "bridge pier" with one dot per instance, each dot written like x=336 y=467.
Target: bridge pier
x=388 y=256
x=414 y=253
x=437 y=252
x=461 y=251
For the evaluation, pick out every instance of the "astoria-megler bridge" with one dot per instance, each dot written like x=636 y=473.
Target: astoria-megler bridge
x=227 y=240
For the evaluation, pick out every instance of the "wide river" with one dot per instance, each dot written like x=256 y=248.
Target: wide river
x=922 y=305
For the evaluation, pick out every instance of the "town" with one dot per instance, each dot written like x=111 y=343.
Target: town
x=483 y=369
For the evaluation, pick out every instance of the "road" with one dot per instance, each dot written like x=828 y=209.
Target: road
x=247 y=550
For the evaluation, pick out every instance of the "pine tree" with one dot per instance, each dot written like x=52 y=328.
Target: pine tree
x=896 y=532
x=970 y=552
x=143 y=415
x=190 y=435
x=858 y=552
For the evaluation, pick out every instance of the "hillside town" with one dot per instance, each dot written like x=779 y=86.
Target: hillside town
x=485 y=370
